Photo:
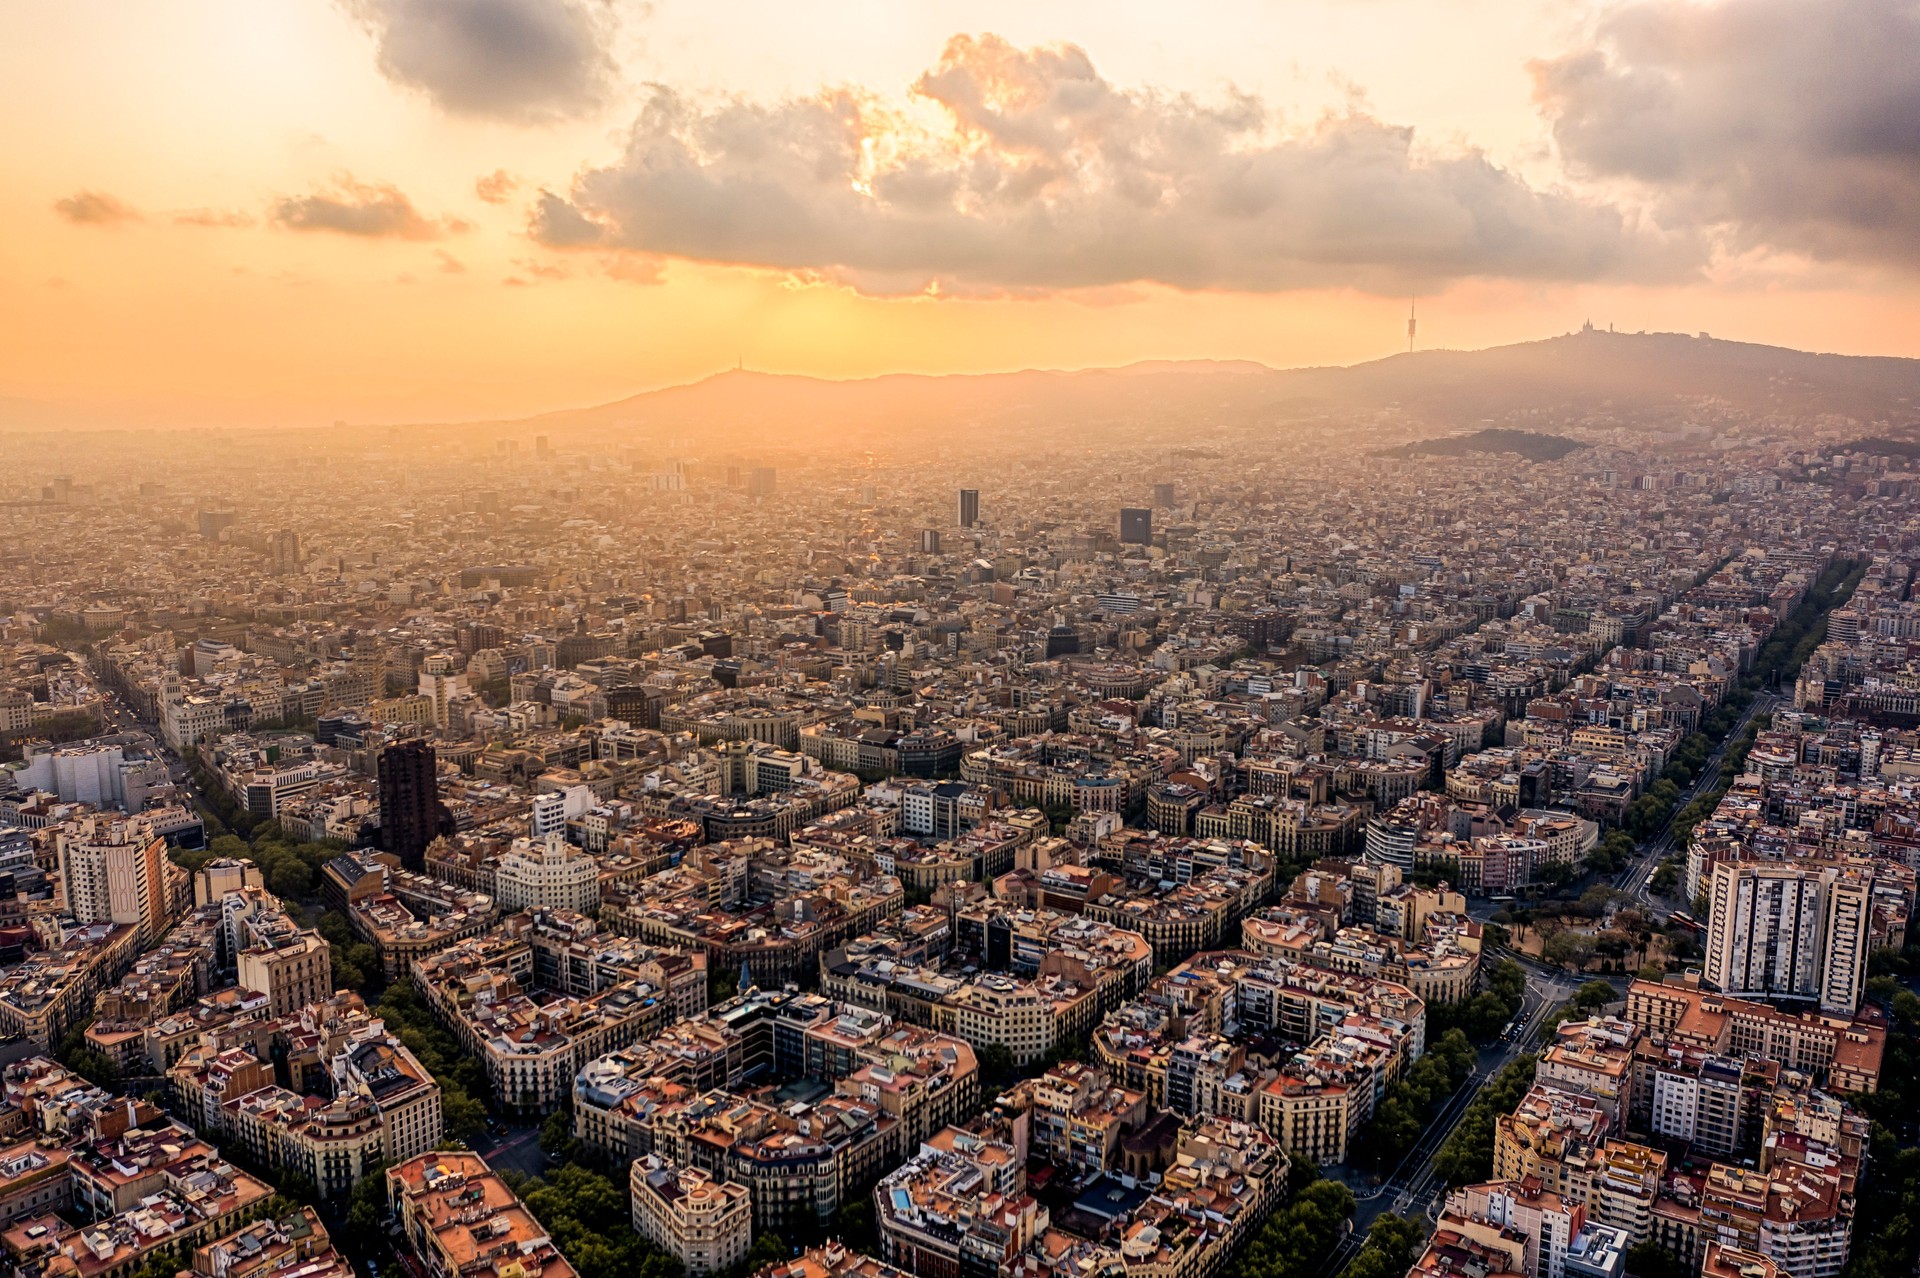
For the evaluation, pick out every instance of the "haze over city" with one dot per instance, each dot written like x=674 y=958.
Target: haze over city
x=1269 y=639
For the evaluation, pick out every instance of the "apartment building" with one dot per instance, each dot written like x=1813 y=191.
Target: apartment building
x=462 y=1221
x=707 y=1225
x=1844 y=1051
x=1790 y=931
x=114 y=869
x=546 y=873
x=291 y=967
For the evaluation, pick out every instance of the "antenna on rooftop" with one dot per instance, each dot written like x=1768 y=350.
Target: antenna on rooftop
x=1410 y=325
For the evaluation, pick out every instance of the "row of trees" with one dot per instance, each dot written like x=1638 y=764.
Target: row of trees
x=292 y=870
x=1298 y=1237
x=1612 y=854
x=1586 y=1000
x=1482 y=1017
x=463 y=1080
x=1650 y=1260
x=291 y=867
x=1886 y=1231
x=1393 y=1244
x=1467 y=1156
x=1703 y=804
x=587 y=1215
x=1782 y=655
x=586 y=1196
x=1413 y=1099
x=96 y=1067
x=356 y=964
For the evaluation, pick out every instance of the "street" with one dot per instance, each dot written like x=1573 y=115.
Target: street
x=1413 y=1189
x=513 y=1147
x=1634 y=879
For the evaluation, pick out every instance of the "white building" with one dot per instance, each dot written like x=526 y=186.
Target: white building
x=1560 y=1241
x=113 y=870
x=1790 y=930
x=706 y=1224
x=552 y=811
x=440 y=683
x=549 y=874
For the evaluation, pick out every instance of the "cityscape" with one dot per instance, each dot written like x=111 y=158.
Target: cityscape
x=1066 y=675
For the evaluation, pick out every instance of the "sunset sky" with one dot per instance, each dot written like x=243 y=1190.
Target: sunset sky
x=296 y=211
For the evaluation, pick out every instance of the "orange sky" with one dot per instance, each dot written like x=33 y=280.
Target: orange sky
x=160 y=261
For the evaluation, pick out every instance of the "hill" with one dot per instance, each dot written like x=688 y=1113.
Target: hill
x=1634 y=378
x=1526 y=443
x=1905 y=449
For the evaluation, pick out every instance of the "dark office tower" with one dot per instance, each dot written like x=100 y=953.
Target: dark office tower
x=637 y=706
x=1163 y=496
x=1136 y=526
x=969 y=507
x=930 y=541
x=477 y=636
x=214 y=522
x=760 y=481
x=284 y=547
x=540 y=445
x=411 y=814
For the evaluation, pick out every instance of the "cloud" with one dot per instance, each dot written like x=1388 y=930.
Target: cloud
x=558 y=224
x=1784 y=125
x=95 y=208
x=521 y=61
x=223 y=218
x=633 y=268
x=370 y=210
x=1044 y=176
x=496 y=187
x=449 y=264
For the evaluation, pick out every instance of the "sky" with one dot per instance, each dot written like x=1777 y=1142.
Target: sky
x=261 y=212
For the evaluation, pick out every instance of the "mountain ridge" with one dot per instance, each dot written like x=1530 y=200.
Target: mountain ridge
x=1640 y=377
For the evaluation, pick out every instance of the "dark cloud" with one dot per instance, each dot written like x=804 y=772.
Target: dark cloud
x=1784 y=124
x=523 y=61
x=371 y=210
x=95 y=208
x=558 y=224
x=1052 y=177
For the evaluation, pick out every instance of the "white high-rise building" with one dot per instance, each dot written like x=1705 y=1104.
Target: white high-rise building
x=113 y=870
x=1848 y=925
x=1795 y=930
